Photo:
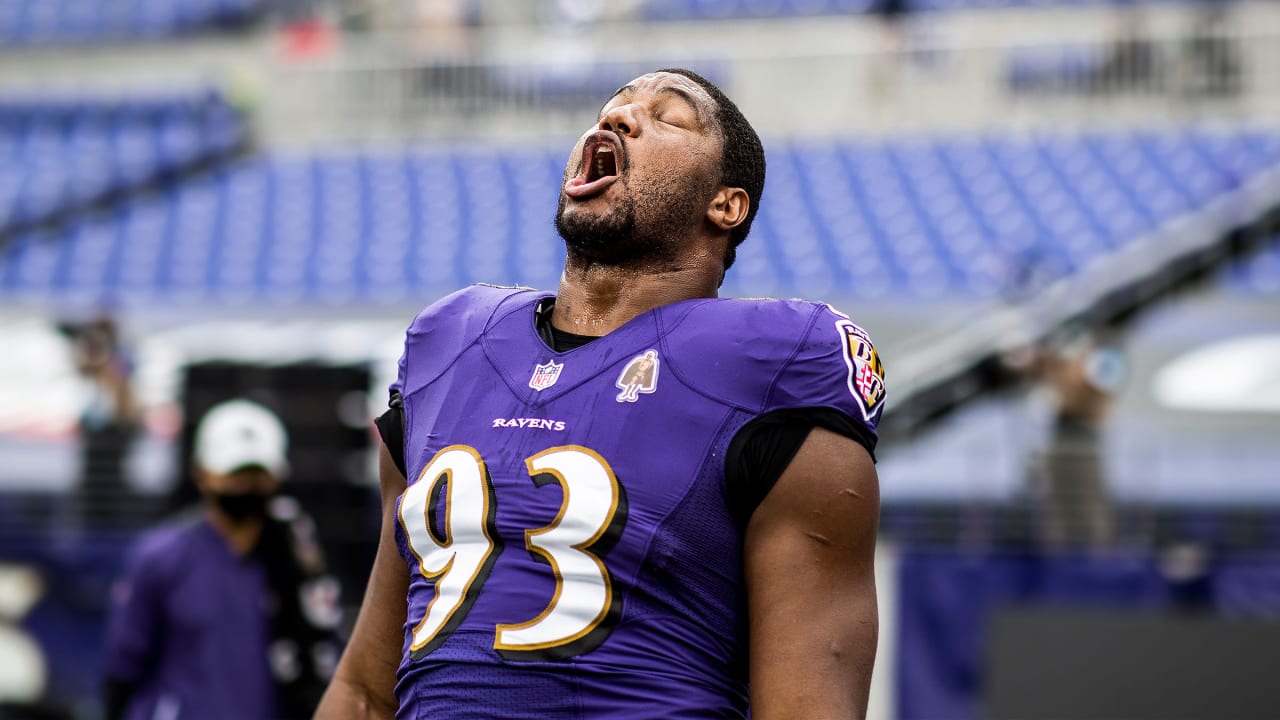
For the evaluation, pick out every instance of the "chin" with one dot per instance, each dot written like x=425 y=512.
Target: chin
x=595 y=231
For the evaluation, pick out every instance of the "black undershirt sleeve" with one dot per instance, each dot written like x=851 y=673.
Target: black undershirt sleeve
x=118 y=694
x=390 y=426
x=764 y=447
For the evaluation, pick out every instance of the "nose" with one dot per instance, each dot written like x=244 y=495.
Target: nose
x=622 y=119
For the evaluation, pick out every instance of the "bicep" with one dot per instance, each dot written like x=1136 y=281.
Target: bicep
x=809 y=564
x=364 y=683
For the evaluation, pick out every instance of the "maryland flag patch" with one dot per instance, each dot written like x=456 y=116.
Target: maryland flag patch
x=866 y=372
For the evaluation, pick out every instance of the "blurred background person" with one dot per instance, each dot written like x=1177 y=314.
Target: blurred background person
x=109 y=422
x=225 y=612
x=1082 y=372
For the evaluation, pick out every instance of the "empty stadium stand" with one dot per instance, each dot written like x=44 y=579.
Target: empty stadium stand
x=974 y=216
x=35 y=23
x=59 y=157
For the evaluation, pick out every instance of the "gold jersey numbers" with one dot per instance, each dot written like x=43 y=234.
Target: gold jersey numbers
x=449 y=521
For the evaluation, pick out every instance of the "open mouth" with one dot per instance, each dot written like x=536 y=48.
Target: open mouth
x=600 y=164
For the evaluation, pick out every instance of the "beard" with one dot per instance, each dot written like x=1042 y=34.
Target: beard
x=643 y=229
x=608 y=238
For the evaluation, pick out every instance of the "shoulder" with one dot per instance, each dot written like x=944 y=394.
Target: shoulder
x=161 y=550
x=442 y=330
x=468 y=311
x=767 y=323
x=765 y=355
x=741 y=349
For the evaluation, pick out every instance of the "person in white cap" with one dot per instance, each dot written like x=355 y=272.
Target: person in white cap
x=240 y=459
x=227 y=612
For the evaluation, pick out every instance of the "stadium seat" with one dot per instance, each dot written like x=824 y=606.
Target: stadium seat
x=932 y=217
x=36 y=23
x=64 y=155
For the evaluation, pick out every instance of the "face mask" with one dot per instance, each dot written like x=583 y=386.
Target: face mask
x=242 y=506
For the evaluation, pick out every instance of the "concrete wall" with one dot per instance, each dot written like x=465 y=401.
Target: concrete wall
x=938 y=71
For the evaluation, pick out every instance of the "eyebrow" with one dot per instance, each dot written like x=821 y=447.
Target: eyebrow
x=670 y=89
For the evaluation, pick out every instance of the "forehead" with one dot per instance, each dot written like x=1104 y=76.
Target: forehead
x=665 y=82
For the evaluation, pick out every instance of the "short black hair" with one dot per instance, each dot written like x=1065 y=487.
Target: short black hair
x=742 y=160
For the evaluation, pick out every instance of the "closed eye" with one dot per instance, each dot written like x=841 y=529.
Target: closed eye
x=676 y=118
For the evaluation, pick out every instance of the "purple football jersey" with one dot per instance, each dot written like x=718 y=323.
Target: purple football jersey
x=571 y=549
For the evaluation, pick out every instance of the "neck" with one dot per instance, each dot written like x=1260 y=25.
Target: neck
x=239 y=536
x=596 y=299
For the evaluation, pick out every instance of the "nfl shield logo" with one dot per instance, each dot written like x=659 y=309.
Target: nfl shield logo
x=544 y=376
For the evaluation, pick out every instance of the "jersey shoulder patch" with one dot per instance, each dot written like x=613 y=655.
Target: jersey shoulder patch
x=836 y=366
x=865 y=379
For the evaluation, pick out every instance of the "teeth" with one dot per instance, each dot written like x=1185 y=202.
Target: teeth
x=599 y=166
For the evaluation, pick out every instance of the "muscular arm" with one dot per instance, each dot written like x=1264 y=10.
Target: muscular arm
x=364 y=684
x=809 y=557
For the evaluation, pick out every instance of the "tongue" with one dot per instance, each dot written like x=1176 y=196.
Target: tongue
x=588 y=185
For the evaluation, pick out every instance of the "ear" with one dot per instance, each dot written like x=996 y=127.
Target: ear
x=728 y=208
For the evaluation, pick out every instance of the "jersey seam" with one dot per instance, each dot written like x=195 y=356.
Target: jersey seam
x=474 y=341
x=795 y=352
x=659 y=525
x=673 y=367
x=458 y=357
x=493 y=320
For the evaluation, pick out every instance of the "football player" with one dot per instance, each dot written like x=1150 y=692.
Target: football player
x=695 y=549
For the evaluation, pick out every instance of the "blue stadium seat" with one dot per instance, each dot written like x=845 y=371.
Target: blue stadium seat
x=146 y=227
x=63 y=155
x=929 y=218
x=73 y=22
x=386 y=221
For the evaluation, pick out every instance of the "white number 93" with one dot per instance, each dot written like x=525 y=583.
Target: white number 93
x=457 y=552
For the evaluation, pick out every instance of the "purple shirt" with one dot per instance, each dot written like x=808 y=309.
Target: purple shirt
x=188 y=626
x=571 y=549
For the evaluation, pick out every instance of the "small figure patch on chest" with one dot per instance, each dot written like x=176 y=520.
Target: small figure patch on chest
x=639 y=376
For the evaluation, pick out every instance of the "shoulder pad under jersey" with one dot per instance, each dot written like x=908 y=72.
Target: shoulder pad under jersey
x=444 y=329
x=765 y=355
